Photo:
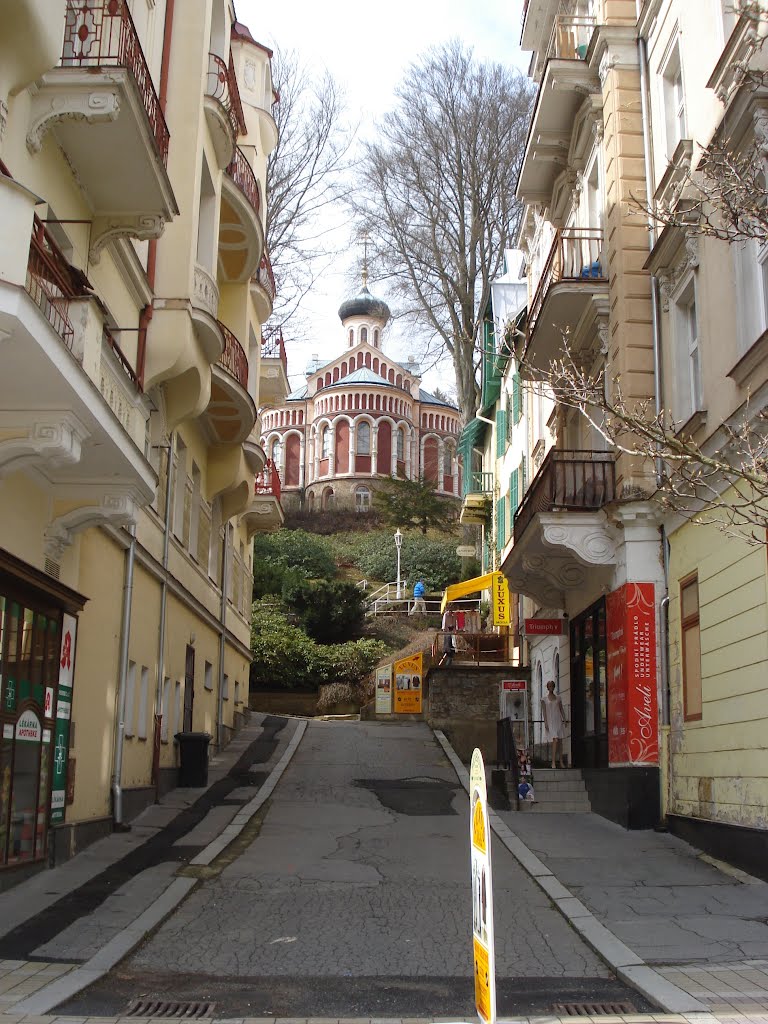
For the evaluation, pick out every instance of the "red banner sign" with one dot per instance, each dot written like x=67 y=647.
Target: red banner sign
x=633 y=722
x=543 y=627
x=513 y=684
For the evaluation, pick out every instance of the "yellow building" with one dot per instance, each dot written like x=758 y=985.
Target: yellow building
x=133 y=284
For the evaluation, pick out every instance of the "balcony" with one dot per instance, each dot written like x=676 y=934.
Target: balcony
x=263 y=290
x=101 y=105
x=265 y=512
x=273 y=369
x=560 y=532
x=231 y=412
x=569 y=92
x=241 y=233
x=72 y=411
x=223 y=109
x=572 y=294
x=477 y=490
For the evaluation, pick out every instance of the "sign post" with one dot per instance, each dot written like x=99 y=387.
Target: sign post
x=384 y=690
x=482 y=893
x=408 y=685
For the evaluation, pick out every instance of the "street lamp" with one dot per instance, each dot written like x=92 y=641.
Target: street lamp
x=398 y=545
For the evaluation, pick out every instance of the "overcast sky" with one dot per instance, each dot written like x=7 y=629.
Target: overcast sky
x=367 y=48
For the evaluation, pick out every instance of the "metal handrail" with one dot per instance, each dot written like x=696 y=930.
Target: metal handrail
x=222 y=86
x=576 y=256
x=49 y=281
x=570 y=37
x=478 y=482
x=266 y=277
x=233 y=358
x=122 y=358
x=273 y=347
x=241 y=172
x=102 y=33
x=578 y=480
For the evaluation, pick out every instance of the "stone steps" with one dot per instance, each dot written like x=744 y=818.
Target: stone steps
x=559 y=791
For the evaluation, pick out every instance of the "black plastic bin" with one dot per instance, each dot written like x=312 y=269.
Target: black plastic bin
x=193 y=758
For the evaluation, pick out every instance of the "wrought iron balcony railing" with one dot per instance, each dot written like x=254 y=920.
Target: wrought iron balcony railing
x=241 y=172
x=268 y=480
x=222 y=86
x=101 y=33
x=576 y=256
x=266 y=277
x=233 y=358
x=273 y=347
x=50 y=281
x=575 y=481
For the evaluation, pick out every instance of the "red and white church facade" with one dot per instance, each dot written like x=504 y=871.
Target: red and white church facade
x=359 y=418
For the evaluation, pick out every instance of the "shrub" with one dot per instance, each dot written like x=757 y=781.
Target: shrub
x=430 y=558
x=329 y=610
x=283 y=655
x=296 y=549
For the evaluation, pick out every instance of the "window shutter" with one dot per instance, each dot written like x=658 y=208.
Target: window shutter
x=501 y=531
x=514 y=496
x=516 y=403
x=501 y=433
x=523 y=479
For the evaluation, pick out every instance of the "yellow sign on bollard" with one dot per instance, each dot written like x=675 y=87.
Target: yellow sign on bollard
x=482 y=893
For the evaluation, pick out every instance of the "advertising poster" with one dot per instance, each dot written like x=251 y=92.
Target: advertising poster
x=408 y=685
x=384 y=690
x=63 y=715
x=501 y=604
x=482 y=893
x=633 y=734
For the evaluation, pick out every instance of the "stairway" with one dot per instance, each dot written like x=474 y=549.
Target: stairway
x=558 y=790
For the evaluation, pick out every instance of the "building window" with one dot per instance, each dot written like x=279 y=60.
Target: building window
x=674 y=101
x=691 y=648
x=363 y=438
x=165 y=710
x=363 y=334
x=141 y=731
x=329 y=502
x=130 y=698
x=376 y=337
x=325 y=443
x=208 y=676
x=400 y=444
x=688 y=355
x=362 y=499
x=225 y=687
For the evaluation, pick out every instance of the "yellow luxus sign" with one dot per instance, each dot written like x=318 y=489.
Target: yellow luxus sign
x=496 y=582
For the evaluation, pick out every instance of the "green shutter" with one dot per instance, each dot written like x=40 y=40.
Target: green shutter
x=500 y=524
x=517 y=411
x=514 y=494
x=523 y=480
x=501 y=433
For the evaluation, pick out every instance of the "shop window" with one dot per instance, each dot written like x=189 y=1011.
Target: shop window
x=691 y=649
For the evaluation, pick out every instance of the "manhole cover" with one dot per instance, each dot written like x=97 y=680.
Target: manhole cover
x=592 y=1009
x=168 y=1008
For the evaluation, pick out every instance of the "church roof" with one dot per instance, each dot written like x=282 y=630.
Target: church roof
x=363 y=375
x=424 y=396
x=364 y=304
x=299 y=395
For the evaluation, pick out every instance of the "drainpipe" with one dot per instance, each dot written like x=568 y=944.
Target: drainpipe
x=163 y=607
x=125 y=636
x=225 y=568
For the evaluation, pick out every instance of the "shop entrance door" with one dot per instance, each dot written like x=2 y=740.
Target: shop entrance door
x=589 y=679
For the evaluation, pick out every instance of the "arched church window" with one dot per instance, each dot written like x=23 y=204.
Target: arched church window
x=351 y=337
x=376 y=337
x=363 y=438
x=277 y=452
x=401 y=444
x=363 y=334
x=362 y=499
x=325 y=443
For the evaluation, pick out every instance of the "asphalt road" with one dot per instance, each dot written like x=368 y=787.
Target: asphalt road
x=349 y=896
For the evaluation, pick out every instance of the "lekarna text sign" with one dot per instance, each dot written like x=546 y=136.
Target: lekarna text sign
x=482 y=893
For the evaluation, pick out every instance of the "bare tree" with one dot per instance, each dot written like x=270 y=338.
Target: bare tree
x=724 y=483
x=303 y=173
x=437 y=197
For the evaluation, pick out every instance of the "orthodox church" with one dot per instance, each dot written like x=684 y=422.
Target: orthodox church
x=360 y=418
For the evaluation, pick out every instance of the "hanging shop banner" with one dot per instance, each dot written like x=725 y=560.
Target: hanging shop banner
x=384 y=690
x=63 y=716
x=633 y=724
x=482 y=893
x=408 y=685
x=501 y=603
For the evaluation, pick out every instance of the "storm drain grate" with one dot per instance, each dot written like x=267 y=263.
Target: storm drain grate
x=592 y=1009
x=167 y=1008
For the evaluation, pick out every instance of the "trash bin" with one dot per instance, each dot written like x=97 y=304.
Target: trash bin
x=193 y=758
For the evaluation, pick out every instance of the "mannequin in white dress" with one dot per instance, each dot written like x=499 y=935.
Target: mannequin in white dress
x=554 y=721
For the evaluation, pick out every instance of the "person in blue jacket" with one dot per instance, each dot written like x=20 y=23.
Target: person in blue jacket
x=419 y=604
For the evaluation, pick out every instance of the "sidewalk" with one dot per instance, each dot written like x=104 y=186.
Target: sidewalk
x=66 y=927
x=687 y=931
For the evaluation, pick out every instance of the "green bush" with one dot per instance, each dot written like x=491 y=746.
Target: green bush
x=296 y=549
x=430 y=558
x=331 y=611
x=353 y=661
